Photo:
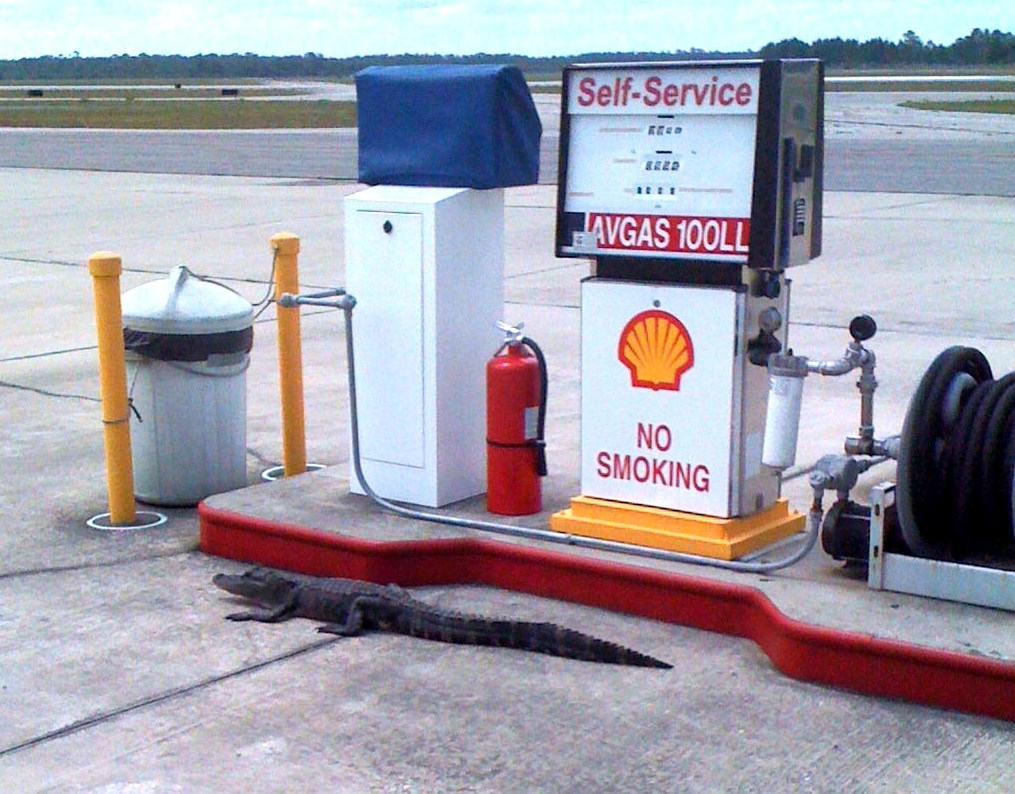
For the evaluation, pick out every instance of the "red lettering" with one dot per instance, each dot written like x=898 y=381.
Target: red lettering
x=650 y=96
x=682 y=473
x=654 y=92
x=701 y=480
x=623 y=91
x=652 y=437
x=656 y=471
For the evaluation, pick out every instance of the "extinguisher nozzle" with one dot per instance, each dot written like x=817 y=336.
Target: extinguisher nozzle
x=540 y=457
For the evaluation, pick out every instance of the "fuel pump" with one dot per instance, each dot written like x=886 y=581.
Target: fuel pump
x=692 y=187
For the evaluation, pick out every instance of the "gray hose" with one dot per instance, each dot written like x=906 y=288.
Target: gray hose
x=531 y=533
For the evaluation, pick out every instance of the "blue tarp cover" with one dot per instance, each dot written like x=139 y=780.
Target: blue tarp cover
x=447 y=126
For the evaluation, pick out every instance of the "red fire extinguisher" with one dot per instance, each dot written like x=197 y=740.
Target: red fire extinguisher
x=516 y=384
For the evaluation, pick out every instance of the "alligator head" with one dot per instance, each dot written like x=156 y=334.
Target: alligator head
x=258 y=584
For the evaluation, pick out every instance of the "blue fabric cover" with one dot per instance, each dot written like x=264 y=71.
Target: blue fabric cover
x=447 y=126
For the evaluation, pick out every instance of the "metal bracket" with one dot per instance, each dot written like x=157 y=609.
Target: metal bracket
x=951 y=581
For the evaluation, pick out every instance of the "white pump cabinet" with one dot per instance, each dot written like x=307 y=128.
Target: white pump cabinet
x=426 y=266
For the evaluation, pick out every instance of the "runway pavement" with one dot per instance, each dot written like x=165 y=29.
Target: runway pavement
x=872 y=144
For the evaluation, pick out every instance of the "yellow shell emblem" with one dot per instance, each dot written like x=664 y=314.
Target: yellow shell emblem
x=657 y=349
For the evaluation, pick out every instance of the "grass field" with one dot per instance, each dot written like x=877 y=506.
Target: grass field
x=200 y=105
x=198 y=114
x=967 y=106
x=845 y=83
x=136 y=91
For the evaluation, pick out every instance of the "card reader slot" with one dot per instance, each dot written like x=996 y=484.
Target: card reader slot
x=786 y=174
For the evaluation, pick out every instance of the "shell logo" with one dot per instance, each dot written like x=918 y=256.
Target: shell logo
x=657 y=349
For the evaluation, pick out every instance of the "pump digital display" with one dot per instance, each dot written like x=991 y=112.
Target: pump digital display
x=661 y=161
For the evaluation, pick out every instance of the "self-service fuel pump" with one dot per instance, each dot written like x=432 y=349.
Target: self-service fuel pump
x=692 y=186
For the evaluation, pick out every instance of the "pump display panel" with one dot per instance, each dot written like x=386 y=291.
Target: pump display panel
x=700 y=161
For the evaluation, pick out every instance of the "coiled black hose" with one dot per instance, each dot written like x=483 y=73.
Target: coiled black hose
x=955 y=494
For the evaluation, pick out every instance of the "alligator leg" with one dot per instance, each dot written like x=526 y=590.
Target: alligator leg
x=355 y=617
x=275 y=614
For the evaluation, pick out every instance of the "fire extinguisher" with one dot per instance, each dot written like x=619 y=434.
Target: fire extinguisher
x=516 y=385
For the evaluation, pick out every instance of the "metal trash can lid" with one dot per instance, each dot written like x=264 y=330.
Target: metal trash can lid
x=186 y=318
x=185 y=304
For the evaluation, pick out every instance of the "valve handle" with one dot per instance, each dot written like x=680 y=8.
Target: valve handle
x=512 y=333
x=862 y=327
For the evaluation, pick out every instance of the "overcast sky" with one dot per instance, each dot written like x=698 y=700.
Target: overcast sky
x=339 y=28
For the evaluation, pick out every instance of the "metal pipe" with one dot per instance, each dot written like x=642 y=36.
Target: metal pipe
x=105 y=269
x=867 y=384
x=290 y=355
x=286 y=300
x=855 y=356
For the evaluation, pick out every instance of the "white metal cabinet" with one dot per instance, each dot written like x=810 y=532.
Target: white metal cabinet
x=426 y=266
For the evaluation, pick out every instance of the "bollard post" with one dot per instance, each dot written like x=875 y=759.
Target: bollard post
x=105 y=269
x=290 y=354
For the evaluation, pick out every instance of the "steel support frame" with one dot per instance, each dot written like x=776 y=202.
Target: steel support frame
x=901 y=573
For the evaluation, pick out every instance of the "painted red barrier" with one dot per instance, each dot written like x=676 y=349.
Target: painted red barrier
x=857 y=662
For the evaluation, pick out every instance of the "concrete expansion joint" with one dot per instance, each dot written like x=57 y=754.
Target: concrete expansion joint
x=193 y=547
x=260 y=457
x=170 y=694
x=46 y=393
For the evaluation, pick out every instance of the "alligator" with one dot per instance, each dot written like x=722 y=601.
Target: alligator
x=349 y=607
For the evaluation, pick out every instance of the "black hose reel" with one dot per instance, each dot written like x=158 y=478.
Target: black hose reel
x=955 y=492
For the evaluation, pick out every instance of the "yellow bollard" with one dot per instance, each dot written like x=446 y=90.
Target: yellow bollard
x=290 y=355
x=105 y=269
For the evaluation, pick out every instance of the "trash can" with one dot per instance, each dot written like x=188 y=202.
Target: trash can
x=187 y=344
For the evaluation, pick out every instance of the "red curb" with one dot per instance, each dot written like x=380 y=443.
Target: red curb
x=857 y=662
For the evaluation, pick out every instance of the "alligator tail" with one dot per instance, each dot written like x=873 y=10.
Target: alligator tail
x=547 y=638
x=561 y=641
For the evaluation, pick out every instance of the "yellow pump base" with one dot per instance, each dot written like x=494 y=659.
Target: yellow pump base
x=687 y=533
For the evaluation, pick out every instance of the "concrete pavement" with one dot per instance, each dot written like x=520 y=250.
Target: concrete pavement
x=118 y=673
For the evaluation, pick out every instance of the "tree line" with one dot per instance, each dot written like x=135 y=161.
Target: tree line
x=980 y=47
